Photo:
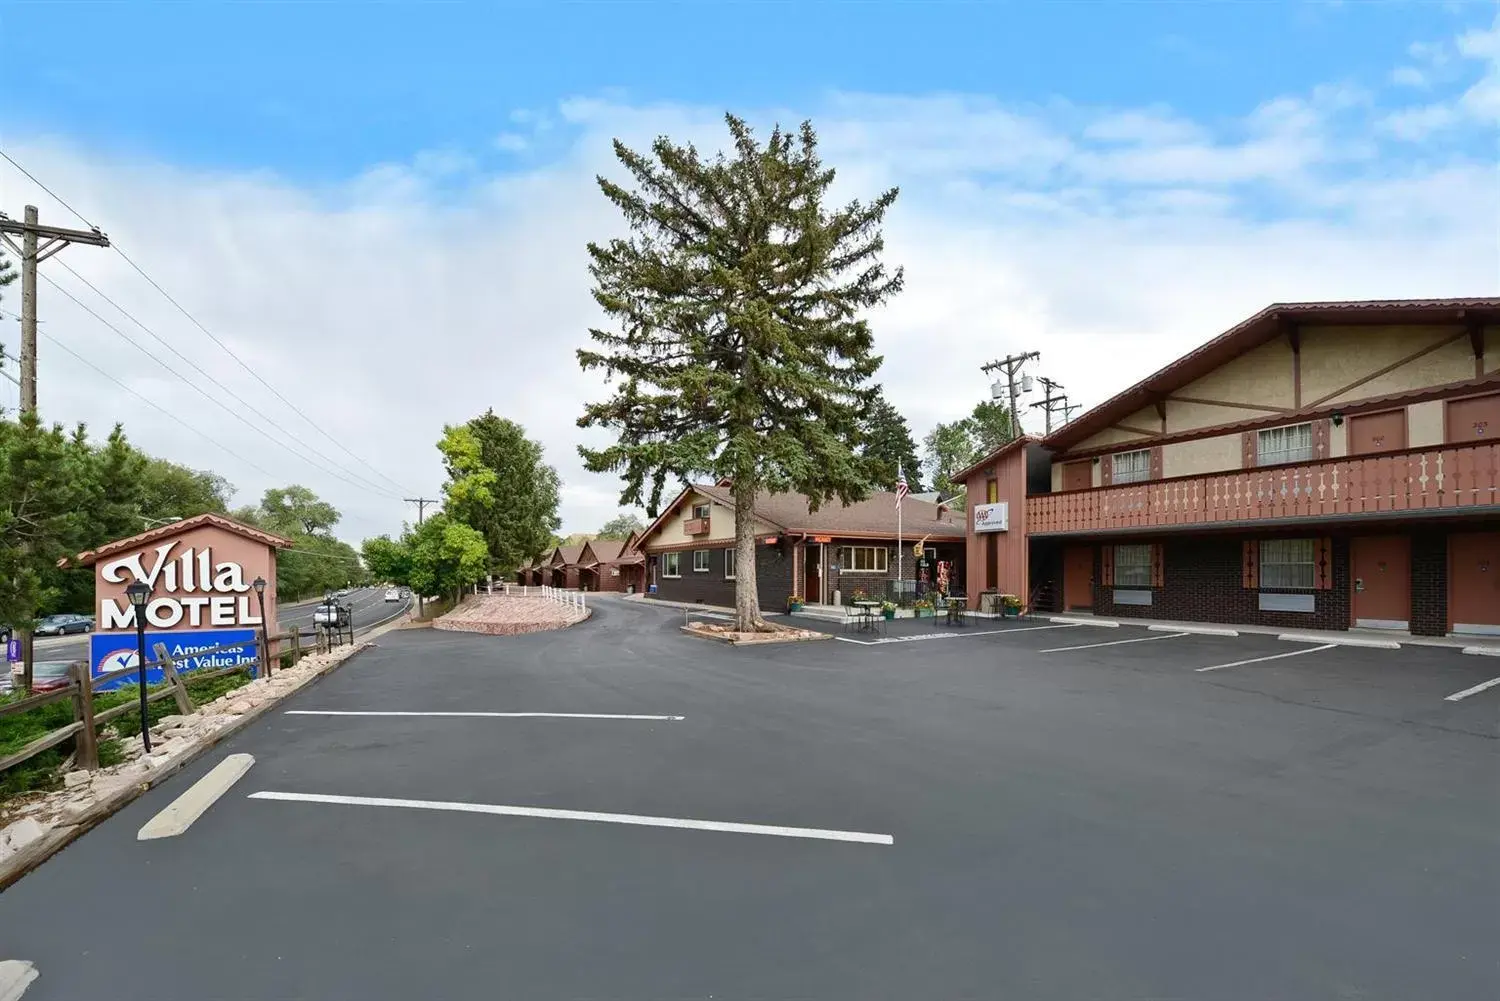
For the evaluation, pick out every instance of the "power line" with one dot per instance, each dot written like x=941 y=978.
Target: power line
x=365 y=480
x=194 y=320
x=192 y=385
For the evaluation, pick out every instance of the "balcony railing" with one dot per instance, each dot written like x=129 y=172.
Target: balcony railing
x=695 y=526
x=1449 y=477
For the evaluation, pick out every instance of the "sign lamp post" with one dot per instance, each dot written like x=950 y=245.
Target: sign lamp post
x=139 y=593
x=260 y=597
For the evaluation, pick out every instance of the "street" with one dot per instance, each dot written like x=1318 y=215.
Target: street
x=368 y=604
x=1025 y=810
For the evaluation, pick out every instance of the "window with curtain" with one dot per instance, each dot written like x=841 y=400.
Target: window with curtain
x=1288 y=563
x=1133 y=566
x=671 y=565
x=1287 y=444
x=729 y=555
x=700 y=561
x=864 y=559
x=1130 y=467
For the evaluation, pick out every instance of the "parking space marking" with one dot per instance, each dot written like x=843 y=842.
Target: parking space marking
x=1274 y=656
x=1091 y=646
x=477 y=715
x=950 y=636
x=182 y=811
x=602 y=818
x=1460 y=696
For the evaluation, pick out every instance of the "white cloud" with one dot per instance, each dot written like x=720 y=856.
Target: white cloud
x=422 y=293
x=1477 y=104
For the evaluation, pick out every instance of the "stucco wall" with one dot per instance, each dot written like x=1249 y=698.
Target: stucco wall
x=1492 y=349
x=1333 y=357
x=1424 y=424
x=720 y=526
x=1206 y=455
x=1260 y=376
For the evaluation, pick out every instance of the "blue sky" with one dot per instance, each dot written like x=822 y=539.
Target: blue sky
x=407 y=189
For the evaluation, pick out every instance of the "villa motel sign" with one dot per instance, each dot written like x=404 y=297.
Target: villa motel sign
x=200 y=572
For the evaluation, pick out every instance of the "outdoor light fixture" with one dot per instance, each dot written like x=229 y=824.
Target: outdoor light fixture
x=1338 y=418
x=259 y=583
x=139 y=594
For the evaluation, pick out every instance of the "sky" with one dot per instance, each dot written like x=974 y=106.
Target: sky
x=381 y=209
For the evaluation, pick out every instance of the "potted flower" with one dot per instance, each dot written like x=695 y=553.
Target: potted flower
x=923 y=608
x=1010 y=605
x=794 y=603
x=888 y=609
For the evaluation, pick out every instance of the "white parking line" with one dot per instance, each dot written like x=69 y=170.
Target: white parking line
x=949 y=636
x=1274 y=656
x=182 y=811
x=1090 y=646
x=1460 y=696
x=603 y=818
x=476 y=715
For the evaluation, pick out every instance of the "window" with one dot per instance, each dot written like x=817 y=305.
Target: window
x=671 y=565
x=1133 y=566
x=700 y=561
x=729 y=564
x=991 y=491
x=1130 y=467
x=700 y=510
x=1288 y=444
x=1288 y=563
x=864 y=559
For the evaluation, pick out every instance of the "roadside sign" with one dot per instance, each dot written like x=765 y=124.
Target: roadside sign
x=112 y=651
x=13 y=650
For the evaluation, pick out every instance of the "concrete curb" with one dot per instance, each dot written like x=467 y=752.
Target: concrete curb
x=1483 y=651
x=1103 y=623
x=1195 y=630
x=757 y=641
x=1338 y=641
x=460 y=626
x=58 y=838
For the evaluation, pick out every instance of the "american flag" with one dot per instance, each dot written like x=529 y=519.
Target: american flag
x=901 y=489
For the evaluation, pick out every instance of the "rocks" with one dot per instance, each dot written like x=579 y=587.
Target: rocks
x=74 y=811
x=73 y=780
x=174 y=722
x=20 y=834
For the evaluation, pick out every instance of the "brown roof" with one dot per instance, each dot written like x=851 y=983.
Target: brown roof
x=1257 y=330
x=569 y=554
x=92 y=556
x=876 y=515
x=614 y=551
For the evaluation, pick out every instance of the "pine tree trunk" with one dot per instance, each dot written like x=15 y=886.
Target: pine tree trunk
x=747 y=617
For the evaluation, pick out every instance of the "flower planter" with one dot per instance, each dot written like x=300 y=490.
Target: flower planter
x=795 y=606
x=889 y=615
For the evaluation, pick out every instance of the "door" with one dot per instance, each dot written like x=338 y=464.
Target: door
x=815 y=574
x=1384 y=432
x=1380 y=566
x=1078 y=578
x=1474 y=419
x=1078 y=475
x=1474 y=583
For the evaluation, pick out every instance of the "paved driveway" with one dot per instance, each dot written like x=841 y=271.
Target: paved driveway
x=1094 y=822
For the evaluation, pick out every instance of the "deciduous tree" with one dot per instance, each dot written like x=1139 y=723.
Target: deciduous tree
x=621 y=526
x=739 y=346
x=499 y=484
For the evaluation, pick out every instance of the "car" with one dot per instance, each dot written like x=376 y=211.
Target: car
x=343 y=591
x=392 y=594
x=61 y=625
x=50 y=675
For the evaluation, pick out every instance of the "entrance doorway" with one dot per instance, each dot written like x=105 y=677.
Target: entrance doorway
x=1381 y=568
x=815 y=574
x=1372 y=433
x=1474 y=583
x=1078 y=578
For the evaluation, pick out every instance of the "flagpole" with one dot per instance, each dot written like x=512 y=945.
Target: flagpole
x=900 y=549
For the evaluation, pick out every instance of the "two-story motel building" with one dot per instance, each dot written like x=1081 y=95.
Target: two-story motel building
x=1323 y=465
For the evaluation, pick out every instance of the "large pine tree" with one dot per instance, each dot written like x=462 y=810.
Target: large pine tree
x=741 y=351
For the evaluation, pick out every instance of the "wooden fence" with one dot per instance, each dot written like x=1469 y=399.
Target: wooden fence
x=82 y=685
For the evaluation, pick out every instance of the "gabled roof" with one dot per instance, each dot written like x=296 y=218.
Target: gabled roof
x=567 y=555
x=1271 y=322
x=167 y=531
x=963 y=475
x=608 y=551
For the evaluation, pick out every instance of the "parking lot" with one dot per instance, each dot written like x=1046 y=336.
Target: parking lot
x=1008 y=809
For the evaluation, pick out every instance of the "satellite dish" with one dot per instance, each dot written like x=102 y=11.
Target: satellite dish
x=1025 y=383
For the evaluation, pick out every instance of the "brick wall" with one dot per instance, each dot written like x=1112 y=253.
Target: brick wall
x=1201 y=582
x=773 y=580
x=1429 y=583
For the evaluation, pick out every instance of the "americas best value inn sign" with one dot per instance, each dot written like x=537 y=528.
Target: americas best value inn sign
x=200 y=572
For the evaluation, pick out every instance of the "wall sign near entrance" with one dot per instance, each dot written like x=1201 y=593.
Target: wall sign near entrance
x=992 y=517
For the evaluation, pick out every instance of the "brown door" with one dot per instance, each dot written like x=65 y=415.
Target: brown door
x=1381 y=568
x=1078 y=577
x=1474 y=582
x=1078 y=475
x=1474 y=419
x=1384 y=432
x=814 y=567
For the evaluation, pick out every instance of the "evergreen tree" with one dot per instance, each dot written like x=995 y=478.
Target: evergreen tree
x=499 y=485
x=888 y=446
x=740 y=350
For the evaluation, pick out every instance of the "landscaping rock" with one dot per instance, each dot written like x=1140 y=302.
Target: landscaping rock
x=20 y=834
x=75 y=810
x=174 y=722
x=73 y=780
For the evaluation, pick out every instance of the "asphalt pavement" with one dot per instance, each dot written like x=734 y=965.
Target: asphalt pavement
x=1019 y=811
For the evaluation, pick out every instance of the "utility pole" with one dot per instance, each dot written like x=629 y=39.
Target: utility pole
x=32 y=253
x=1049 y=402
x=421 y=503
x=1011 y=366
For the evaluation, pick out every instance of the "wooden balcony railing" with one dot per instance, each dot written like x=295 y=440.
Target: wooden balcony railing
x=1449 y=477
x=695 y=526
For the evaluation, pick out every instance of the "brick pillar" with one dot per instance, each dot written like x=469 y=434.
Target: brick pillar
x=1429 y=583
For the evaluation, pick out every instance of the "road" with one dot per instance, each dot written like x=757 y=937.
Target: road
x=1039 y=812
x=368 y=604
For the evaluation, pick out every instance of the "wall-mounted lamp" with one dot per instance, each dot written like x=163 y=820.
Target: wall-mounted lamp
x=1338 y=419
x=1096 y=460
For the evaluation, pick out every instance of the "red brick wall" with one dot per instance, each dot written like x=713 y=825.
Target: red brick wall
x=1429 y=583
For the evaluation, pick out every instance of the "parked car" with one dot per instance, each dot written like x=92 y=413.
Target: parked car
x=50 y=675
x=61 y=625
x=392 y=595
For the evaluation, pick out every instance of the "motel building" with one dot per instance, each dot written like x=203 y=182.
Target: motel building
x=1320 y=465
x=822 y=556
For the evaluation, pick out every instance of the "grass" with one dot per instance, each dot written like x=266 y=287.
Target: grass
x=42 y=772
